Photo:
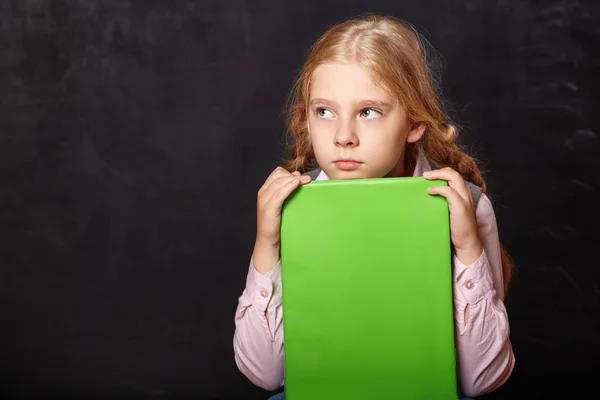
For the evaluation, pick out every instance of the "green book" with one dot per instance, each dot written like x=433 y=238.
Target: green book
x=367 y=291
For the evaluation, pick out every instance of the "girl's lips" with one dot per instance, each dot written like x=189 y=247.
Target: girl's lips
x=347 y=165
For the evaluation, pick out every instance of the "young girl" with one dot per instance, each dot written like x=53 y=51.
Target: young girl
x=364 y=106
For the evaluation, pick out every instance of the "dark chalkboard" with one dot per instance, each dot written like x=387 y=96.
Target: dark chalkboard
x=135 y=134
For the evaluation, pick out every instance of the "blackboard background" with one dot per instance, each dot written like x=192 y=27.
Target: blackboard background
x=135 y=134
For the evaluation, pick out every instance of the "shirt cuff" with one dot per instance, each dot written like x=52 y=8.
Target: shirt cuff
x=264 y=291
x=473 y=282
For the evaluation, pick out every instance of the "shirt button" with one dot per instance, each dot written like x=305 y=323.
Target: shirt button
x=264 y=293
x=469 y=285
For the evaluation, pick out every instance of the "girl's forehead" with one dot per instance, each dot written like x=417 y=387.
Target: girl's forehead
x=346 y=81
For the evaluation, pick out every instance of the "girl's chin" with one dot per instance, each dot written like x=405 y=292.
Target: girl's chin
x=341 y=175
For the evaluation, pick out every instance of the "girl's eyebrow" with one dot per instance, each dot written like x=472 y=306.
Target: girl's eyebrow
x=323 y=101
x=375 y=103
x=363 y=103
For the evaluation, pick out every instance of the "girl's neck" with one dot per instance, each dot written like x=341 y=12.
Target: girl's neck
x=404 y=167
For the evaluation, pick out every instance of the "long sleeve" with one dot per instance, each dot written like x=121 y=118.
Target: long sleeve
x=258 y=338
x=484 y=352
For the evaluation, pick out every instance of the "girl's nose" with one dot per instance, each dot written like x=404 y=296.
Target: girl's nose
x=345 y=136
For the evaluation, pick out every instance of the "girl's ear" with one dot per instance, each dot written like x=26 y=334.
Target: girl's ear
x=416 y=132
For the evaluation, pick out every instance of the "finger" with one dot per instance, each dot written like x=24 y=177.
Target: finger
x=303 y=178
x=266 y=194
x=277 y=173
x=283 y=192
x=277 y=185
x=454 y=199
x=454 y=179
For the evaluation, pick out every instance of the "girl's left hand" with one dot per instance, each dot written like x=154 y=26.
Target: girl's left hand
x=463 y=223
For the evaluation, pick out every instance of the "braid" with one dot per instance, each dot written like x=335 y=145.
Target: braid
x=443 y=150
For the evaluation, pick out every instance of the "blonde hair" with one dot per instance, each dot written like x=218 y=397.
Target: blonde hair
x=394 y=52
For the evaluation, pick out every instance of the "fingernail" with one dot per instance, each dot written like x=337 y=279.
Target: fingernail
x=426 y=174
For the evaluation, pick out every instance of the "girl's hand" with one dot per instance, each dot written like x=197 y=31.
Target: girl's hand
x=278 y=186
x=463 y=223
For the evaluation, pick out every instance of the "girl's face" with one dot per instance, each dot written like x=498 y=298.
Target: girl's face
x=357 y=129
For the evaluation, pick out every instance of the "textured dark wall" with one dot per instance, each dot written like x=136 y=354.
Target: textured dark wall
x=133 y=138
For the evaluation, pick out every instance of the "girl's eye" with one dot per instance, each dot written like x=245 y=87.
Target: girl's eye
x=324 y=113
x=369 y=113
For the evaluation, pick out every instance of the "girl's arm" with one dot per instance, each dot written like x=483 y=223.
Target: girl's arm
x=258 y=338
x=484 y=352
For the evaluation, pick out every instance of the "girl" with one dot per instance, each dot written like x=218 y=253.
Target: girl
x=364 y=106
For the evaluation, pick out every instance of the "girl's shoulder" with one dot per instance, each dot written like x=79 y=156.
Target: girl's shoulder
x=476 y=192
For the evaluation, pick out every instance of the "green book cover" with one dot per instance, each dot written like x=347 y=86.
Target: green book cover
x=367 y=291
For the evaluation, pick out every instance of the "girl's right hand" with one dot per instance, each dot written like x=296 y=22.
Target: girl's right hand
x=278 y=186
